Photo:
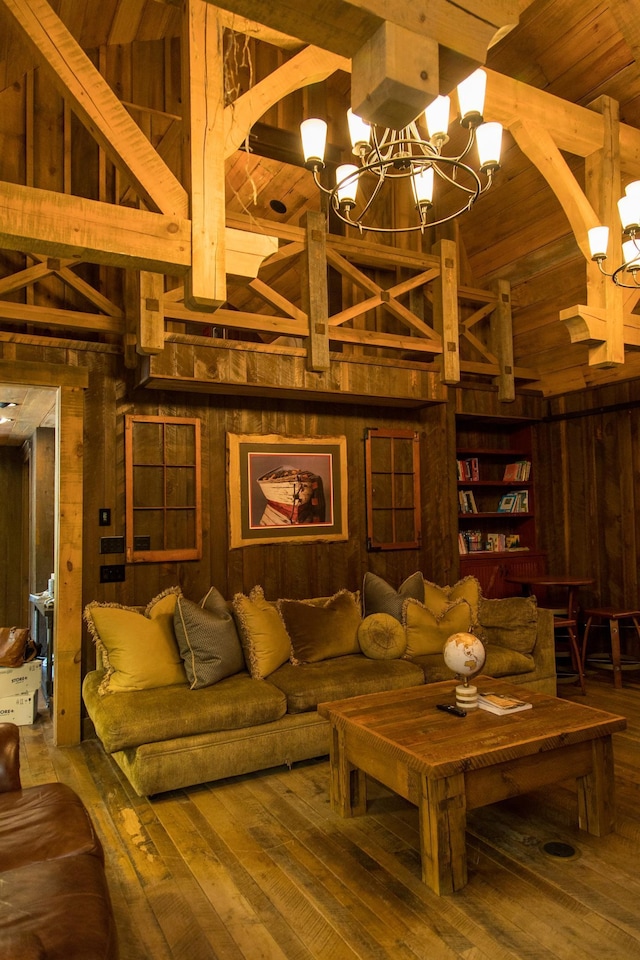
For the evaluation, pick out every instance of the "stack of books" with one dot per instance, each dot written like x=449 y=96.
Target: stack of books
x=501 y=703
x=519 y=470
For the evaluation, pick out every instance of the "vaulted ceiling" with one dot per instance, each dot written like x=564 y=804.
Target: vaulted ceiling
x=569 y=327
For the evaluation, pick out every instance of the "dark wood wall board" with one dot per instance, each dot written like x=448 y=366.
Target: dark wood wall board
x=12 y=593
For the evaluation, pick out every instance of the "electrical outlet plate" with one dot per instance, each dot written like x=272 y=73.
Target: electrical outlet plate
x=112 y=573
x=111 y=544
x=104 y=517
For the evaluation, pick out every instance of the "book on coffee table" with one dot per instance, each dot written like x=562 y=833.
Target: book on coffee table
x=501 y=703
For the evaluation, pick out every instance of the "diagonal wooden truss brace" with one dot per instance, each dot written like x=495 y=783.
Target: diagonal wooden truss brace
x=604 y=301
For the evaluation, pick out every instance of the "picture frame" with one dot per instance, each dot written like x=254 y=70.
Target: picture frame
x=286 y=489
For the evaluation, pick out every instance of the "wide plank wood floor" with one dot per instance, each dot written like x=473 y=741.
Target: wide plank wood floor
x=258 y=867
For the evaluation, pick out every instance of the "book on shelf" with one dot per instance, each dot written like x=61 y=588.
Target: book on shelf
x=501 y=703
x=462 y=544
x=467 y=501
x=522 y=501
x=468 y=469
x=507 y=503
x=515 y=501
x=519 y=470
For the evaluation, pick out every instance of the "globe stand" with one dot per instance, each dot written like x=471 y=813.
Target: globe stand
x=467 y=696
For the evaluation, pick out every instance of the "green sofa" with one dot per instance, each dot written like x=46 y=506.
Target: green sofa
x=180 y=734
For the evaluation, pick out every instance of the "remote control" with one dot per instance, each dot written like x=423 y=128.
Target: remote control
x=449 y=708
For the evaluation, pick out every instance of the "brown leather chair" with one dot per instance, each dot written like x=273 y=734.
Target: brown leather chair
x=55 y=902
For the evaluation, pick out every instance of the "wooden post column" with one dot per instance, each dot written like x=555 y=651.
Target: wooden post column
x=203 y=93
x=502 y=340
x=315 y=297
x=603 y=187
x=445 y=309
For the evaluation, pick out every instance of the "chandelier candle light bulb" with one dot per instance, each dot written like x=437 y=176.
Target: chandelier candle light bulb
x=629 y=212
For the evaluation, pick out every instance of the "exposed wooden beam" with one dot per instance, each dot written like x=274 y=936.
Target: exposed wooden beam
x=60 y=319
x=603 y=188
x=502 y=341
x=394 y=45
x=573 y=128
x=97 y=106
x=203 y=92
x=311 y=65
x=315 y=297
x=57 y=225
x=539 y=147
x=467 y=26
x=445 y=309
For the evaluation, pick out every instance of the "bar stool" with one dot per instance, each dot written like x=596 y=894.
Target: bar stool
x=568 y=624
x=613 y=615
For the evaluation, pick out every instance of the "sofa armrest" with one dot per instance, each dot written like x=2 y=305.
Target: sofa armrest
x=9 y=757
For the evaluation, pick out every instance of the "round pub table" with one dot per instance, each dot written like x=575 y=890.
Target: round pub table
x=566 y=619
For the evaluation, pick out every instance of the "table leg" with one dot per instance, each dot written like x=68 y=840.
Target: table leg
x=443 y=823
x=348 y=784
x=614 y=633
x=596 y=804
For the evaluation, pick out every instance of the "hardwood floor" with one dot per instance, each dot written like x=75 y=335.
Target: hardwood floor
x=258 y=867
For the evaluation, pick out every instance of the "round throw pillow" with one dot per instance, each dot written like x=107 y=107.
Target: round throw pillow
x=382 y=637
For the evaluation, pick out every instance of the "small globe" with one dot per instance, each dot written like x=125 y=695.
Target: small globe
x=464 y=654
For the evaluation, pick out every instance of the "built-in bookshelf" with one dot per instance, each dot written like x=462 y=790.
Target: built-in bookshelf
x=496 y=503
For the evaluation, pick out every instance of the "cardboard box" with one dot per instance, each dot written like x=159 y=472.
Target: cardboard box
x=20 y=710
x=20 y=680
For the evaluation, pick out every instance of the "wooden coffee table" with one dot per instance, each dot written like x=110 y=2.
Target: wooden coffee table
x=446 y=765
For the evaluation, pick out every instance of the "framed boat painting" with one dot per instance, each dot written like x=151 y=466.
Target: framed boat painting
x=286 y=489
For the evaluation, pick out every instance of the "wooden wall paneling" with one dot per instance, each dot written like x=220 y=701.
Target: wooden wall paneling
x=439 y=494
x=41 y=508
x=12 y=600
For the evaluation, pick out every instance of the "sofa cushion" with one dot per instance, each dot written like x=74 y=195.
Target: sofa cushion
x=438 y=598
x=321 y=632
x=138 y=650
x=499 y=662
x=309 y=684
x=381 y=637
x=427 y=631
x=208 y=640
x=378 y=596
x=263 y=635
x=130 y=719
x=510 y=622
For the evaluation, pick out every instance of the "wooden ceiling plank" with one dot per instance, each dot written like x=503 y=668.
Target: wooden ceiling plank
x=97 y=106
x=62 y=226
x=126 y=21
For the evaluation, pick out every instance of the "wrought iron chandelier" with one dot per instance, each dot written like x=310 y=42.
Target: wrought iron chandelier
x=625 y=275
x=389 y=158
